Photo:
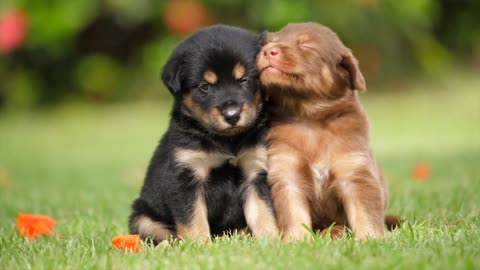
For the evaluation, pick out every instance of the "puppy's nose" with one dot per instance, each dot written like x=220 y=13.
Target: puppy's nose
x=231 y=113
x=273 y=51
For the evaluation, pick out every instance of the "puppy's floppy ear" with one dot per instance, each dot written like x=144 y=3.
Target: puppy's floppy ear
x=172 y=73
x=350 y=64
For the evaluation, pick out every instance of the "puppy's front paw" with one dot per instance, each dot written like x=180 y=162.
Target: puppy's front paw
x=269 y=232
x=297 y=234
x=336 y=232
x=196 y=232
x=365 y=234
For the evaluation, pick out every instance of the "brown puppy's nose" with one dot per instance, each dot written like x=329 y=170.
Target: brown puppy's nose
x=271 y=51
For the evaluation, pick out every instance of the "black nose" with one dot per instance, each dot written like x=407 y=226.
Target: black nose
x=231 y=113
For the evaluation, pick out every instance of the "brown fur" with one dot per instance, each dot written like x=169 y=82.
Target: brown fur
x=321 y=167
x=336 y=232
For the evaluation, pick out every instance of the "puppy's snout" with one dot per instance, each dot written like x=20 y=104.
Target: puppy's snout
x=271 y=52
x=231 y=112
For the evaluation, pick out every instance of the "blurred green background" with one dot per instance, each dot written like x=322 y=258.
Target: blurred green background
x=107 y=51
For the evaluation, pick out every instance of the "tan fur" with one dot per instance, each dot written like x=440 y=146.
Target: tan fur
x=198 y=227
x=238 y=71
x=214 y=118
x=244 y=232
x=200 y=162
x=253 y=161
x=210 y=76
x=288 y=193
x=206 y=117
x=321 y=167
x=147 y=227
x=259 y=216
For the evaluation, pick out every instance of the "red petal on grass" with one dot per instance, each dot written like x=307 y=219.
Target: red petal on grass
x=32 y=226
x=421 y=172
x=131 y=242
x=13 y=30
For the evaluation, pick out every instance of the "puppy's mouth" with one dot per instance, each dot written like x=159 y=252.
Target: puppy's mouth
x=233 y=130
x=219 y=126
x=275 y=70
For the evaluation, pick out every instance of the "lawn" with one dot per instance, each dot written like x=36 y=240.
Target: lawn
x=83 y=165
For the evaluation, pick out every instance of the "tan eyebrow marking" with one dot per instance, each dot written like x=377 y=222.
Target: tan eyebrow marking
x=238 y=71
x=210 y=76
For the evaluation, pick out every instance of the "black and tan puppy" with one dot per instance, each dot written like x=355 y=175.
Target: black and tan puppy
x=208 y=175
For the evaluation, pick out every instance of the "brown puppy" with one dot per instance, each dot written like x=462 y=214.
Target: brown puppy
x=321 y=166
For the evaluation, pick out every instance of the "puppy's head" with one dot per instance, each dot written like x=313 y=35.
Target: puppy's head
x=213 y=78
x=308 y=60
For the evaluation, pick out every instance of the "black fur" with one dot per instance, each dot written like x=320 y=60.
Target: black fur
x=169 y=190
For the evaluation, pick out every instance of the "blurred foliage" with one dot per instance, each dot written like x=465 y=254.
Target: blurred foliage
x=110 y=50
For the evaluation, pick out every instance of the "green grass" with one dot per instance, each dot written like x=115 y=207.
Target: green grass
x=84 y=165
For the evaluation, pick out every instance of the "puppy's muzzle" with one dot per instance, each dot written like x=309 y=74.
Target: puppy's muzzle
x=231 y=112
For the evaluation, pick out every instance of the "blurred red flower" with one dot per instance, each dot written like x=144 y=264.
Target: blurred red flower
x=13 y=30
x=184 y=16
x=421 y=171
x=131 y=242
x=32 y=226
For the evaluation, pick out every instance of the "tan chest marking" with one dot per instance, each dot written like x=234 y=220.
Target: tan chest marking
x=251 y=161
x=200 y=162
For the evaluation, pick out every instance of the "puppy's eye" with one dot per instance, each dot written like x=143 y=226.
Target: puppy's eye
x=205 y=87
x=306 y=46
x=243 y=81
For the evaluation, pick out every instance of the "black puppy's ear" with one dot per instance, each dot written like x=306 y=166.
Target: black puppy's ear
x=172 y=74
x=355 y=77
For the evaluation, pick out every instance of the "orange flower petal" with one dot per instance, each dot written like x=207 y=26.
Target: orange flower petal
x=32 y=226
x=48 y=221
x=130 y=242
x=41 y=228
x=421 y=172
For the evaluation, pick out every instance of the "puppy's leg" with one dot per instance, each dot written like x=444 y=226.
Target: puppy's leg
x=258 y=209
x=289 y=201
x=147 y=226
x=196 y=226
x=362 y=199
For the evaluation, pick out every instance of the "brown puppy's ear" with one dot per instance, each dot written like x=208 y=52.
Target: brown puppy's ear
x=350 y=64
